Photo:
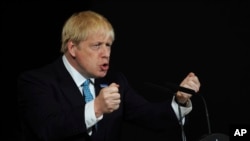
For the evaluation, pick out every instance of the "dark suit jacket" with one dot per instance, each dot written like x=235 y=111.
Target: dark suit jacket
x=51 y=108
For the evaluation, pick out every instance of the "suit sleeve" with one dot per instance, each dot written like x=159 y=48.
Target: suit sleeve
x=138 y=110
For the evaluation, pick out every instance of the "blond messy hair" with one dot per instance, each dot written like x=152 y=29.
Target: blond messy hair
x=81 y=25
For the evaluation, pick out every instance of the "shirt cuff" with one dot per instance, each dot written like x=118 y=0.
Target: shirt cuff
x=90 y=118
x=184 y=110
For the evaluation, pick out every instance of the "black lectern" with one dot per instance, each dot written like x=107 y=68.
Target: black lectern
x=215 y=137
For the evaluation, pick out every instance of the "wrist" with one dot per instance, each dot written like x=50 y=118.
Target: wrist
x=183 y=104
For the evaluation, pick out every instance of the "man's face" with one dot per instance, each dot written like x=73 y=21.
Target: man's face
x=92 y=55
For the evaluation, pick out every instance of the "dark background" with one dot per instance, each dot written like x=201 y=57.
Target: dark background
x=155 y=42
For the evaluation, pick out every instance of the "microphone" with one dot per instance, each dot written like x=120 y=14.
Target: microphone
x=180 y=88
x=171 y=86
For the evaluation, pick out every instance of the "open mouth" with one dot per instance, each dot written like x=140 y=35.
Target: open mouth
x=105 y=67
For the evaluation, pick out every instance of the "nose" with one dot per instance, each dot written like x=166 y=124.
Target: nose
x=106 y=51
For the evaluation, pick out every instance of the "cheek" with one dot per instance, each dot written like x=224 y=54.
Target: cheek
x=87 y=59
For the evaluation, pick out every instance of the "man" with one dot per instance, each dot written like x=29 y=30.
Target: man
x=51 y=100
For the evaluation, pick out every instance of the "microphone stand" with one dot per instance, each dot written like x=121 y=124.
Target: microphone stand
x=183 y=89
x=207 y=116
x=210 y=136
x=183 y=136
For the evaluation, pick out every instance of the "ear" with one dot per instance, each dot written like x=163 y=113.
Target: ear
x=71 y=48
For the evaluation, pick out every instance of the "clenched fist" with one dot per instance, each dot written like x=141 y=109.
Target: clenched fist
x=192 y=82
x=108 y=100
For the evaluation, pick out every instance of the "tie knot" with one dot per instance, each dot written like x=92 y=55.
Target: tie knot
x=86 y=82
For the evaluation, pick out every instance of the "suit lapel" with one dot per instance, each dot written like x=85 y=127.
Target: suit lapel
x=70 y=89
x=68 y=86
x=101 y=83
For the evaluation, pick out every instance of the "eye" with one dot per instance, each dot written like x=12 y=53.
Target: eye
x=108 y=45
x=96 y=46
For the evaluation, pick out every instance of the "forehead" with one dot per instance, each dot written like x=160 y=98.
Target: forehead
x=100 y=37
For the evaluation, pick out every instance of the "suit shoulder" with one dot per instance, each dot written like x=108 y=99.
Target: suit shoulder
x=45 y=71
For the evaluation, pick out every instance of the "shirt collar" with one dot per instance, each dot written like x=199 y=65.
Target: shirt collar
x=77 y=77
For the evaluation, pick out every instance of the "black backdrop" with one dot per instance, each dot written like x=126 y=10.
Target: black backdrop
x=159 y=40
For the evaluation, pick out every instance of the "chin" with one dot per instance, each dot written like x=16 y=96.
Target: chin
x=101 y=74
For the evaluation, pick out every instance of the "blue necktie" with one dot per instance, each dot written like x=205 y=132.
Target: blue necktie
x=86 y=91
